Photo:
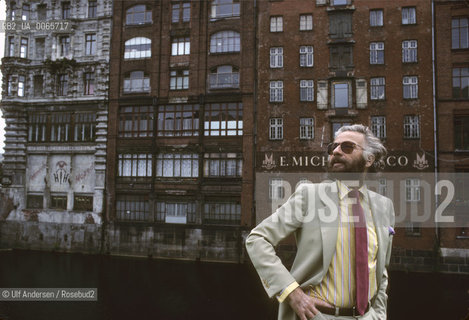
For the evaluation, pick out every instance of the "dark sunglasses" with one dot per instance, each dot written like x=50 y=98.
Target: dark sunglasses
x=346 y=146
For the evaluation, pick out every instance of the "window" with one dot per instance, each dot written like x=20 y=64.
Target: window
x=409 y=51
x=336 y=126
x=276 y=189
x=170 y=165
x=276 y=129
x=461 y=132
x=460 y=33
x=26 y=12
x=62 y=84
x=35 y=201
x=306 y=56
x=136 y=122
x=306 y=22
x=461 y=83
x=136 y=81
x=84 y=127
x=276 y=24
x=60 y=127
x=41 y=12
x=64 y=43
x=222 y=213
x=306 y=90
x=225 y=41
x=412 y=229
x=376 y=18
x=225 y=8
x=179 y=80
x=92 y=9
x=38 y=84
x=58 y=202
x=137 y=48
x=339 y=2
x=21 y=80
x=223 y=119
x=132 y=208
x=134 y=165
x=409 y=15
x=228 y=165
x=411 y=127
x=341 y=95
x=24 y=48
x=410 y=87
x=181 y=12
x=341 y=57
x=224 y=77
x=65 y=10
x=9 y=85
x=382 y=187
x=276 y=57
x=40 y=45
x=178 y=120
x=377 y=87
x=377 y=53
x=178 y=212
x=340 y=25
x=139 y=14
x=13 y=10
x=180 y=46
x=378 y=126
x=307 y=128
x=412 y=190
x=37 y=127
x=276 y=91
x=82 y=203
x=11 y=46
x=90 y=44
x=88 y=83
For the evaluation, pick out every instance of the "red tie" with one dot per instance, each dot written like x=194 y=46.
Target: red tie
x=361 y=254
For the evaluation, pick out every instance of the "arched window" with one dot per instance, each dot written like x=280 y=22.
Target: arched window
x=137 y=48
x=224 y=77
x=136 y=81
x=225 y=41
x=139 y=14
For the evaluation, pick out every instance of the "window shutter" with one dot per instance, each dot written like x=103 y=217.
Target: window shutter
x=322 y=94
x=362 y=95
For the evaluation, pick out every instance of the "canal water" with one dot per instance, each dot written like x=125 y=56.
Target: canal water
x=132 y=288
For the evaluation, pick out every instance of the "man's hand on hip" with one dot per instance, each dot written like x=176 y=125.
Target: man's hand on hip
x=304 y=305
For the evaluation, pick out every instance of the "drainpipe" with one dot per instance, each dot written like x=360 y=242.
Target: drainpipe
x=435 y=119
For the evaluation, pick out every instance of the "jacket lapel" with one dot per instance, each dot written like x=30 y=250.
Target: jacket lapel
x=381 y=230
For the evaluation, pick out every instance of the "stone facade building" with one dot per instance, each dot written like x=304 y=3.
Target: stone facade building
x=54 y=100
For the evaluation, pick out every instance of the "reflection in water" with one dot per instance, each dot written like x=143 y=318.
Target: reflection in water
x=154 y=289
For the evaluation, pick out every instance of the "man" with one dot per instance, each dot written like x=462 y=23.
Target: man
x=344 y=238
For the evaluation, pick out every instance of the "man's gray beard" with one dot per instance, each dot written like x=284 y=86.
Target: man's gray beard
x=356 y=172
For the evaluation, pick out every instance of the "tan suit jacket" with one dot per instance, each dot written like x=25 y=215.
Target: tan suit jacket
x=311 y=214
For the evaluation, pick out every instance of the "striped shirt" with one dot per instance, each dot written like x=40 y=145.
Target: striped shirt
x=338 y=286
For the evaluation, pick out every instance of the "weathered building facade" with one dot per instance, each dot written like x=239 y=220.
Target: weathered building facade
x=452 y=88
x=180 y=143
x=324 y=64
x=54 y=100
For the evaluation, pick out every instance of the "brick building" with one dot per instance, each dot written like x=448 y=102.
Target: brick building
x=323 y=64
x=452 y=74
x=181 y=119
x=54 y=100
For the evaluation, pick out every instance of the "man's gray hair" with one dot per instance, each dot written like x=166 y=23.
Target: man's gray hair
x=373 y=144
